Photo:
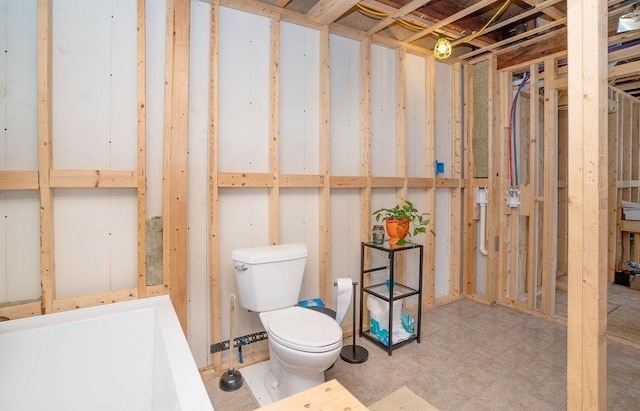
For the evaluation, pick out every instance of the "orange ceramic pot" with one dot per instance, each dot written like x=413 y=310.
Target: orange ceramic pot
x=396 y=229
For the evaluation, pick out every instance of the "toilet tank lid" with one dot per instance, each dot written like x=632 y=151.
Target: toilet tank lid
x=258 y=255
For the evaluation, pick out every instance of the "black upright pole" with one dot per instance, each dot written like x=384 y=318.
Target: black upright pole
x=354 y=354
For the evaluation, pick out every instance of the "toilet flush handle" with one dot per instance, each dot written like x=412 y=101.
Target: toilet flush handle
x=241 y=267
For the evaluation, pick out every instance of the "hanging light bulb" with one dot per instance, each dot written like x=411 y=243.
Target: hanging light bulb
x=442 y=49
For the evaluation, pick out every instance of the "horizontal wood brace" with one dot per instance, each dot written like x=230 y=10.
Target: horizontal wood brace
x=449 y=183
x=18 y=180
x=630 y=226
x=387 y=182
x=246 y=180
x=348 y=182
x=301 y=180
x=420 y=182
x=93 y=178
x=628 y=184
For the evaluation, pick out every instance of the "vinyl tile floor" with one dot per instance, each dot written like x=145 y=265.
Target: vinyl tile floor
x=472 y=357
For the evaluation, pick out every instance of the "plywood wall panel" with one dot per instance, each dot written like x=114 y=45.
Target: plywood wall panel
x=94 y=77
x=18 y=92
x=344 y=106
x=199 y=290
x=299 y=99
x=244 y=88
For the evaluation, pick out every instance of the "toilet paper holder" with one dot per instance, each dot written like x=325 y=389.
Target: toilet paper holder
x=353 y=353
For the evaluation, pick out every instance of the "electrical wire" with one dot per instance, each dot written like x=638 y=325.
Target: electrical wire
x=379 y=15
x=513 y=147
x=491 y=20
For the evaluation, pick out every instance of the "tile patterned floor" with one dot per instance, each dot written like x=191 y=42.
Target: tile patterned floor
x=473 y=357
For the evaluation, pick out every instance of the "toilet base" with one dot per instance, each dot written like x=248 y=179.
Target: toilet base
x=254 y=378
x=264 y=386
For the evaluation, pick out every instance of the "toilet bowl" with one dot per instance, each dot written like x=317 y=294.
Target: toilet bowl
x=302 y=344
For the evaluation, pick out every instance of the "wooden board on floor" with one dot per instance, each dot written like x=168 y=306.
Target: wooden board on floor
x=330 y=395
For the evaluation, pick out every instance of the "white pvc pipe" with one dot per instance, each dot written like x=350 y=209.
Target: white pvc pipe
x=482 y=235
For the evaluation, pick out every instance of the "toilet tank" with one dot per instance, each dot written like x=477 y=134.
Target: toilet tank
x=269 y=278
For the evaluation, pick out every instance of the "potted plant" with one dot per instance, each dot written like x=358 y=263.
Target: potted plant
x=398 y=220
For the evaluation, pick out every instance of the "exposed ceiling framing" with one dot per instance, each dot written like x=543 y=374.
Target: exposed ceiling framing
x=515 y=30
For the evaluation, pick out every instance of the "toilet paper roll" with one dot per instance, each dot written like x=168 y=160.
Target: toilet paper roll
x=345 y=293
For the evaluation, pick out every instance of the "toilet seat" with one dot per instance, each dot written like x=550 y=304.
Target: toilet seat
x=304 y=330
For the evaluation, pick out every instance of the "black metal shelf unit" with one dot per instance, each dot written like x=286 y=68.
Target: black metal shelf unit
x=390 y=292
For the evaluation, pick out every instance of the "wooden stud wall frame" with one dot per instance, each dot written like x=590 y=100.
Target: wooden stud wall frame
x=47 y=179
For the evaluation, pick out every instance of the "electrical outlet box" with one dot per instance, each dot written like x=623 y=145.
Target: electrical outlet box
x=513 y=197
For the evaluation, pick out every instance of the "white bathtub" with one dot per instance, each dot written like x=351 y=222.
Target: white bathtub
x=125 y=356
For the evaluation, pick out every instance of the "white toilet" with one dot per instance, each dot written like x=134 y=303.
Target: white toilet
x=303 y=343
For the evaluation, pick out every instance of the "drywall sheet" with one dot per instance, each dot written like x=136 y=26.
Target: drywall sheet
x=345 y=237
x=19 y=210
x=94 y=84
x=19 y=246
x=344 y=105
x=383 y=111
x=245 y=224
x=416 y=115
x=299 y=222
x=244 y=94
x=299 y=99
x=156 y=28
x=198 y=288
x=95 y=240
x=18 y=85
x=443 y=117
x=441 y=224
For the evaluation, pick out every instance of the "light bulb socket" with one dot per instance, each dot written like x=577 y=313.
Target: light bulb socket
x=442 y=49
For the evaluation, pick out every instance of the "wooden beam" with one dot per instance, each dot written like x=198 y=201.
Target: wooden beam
x=624 y=54
x=93 y=178
x=400 y=13
x=365 y=138
x=552 y=12
x=628 y=86
x=457 y=149
x=256 y=180
x=274 y=131
x=302 y=181
x=328 y=11
x=455 y=17
x=18 y=180
x=47 y=260
x=387 y=182
x=141 y=183
x=587 y=191
x=428 y=266
x=324 y=162
x=550 y=191
x=518 y=17
x=532 y=49
x=348 y=181
x=556 y=26
x=419 y=21
x=624 y=70
x=175 y=155
x=214 y=242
